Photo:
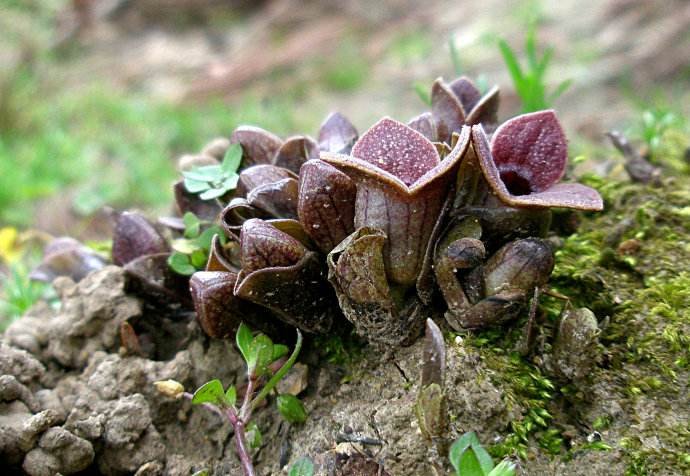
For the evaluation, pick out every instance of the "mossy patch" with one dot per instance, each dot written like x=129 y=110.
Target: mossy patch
x=631 y=266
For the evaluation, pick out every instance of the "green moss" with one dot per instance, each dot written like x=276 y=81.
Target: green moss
x=631 y=265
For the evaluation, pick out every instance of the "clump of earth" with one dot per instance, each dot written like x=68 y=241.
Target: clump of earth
x=72 y=401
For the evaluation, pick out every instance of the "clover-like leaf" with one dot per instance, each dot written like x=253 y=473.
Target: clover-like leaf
x=210 y=392
x=192 y=225
x=291 y=408
x=231 y=161
x=180 y=263
x=213 y=193
x=196 y=186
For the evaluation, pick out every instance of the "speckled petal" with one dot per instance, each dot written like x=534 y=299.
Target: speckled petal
x=298 y=294
x=565 y=195
x=220 y=259
x=397 y=149
x=258 y=145
x=337 y=134
x=219 y=312
x=276 y=199
x=259 y=175
x=449 y=115
x=326 y=204
x=407 y=215
x=135 y=236
x=295 y=151
x=530 y=152
x=263 y=246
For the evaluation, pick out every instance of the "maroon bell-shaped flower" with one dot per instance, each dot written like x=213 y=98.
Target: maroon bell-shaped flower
x=402 y=186
x=525 y=161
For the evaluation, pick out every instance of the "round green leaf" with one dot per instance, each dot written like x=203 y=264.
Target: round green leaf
x=179 y=263
x=210 y=392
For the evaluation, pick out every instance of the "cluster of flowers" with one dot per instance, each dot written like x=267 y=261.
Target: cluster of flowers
x=372 y=227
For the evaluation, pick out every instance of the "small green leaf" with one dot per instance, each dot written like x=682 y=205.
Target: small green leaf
x=253 y=435
x=279 y=350
x=184 y=246
x=483 y=457
x=196 y=186
x=232 y=159
x=204 y=240
x=469 y=464
x=201 y=472
x=244 y=338
x=192 y=225
x=504 y=468
x=302 y=467
x=210 y=392
x=206 y=173
x=231 y=395
x=263 y=351
x=291 y=408
x=230 y=182
x=179 y=263
x=470 y=443
x=198 y=259
x=213 y=193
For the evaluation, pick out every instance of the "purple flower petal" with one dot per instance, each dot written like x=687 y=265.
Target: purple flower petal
x=326 y=203
x=264 y=246
x=424 y=124
x=485 y=112
x=397 y=149
x=466 y=92
x=135 y=236
x=572 y=195
x=258 y=175
x=277 y=199
x=337 y=134
x=530 y=152
x=258 y=145
x=295 y=151
x=449 y=115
